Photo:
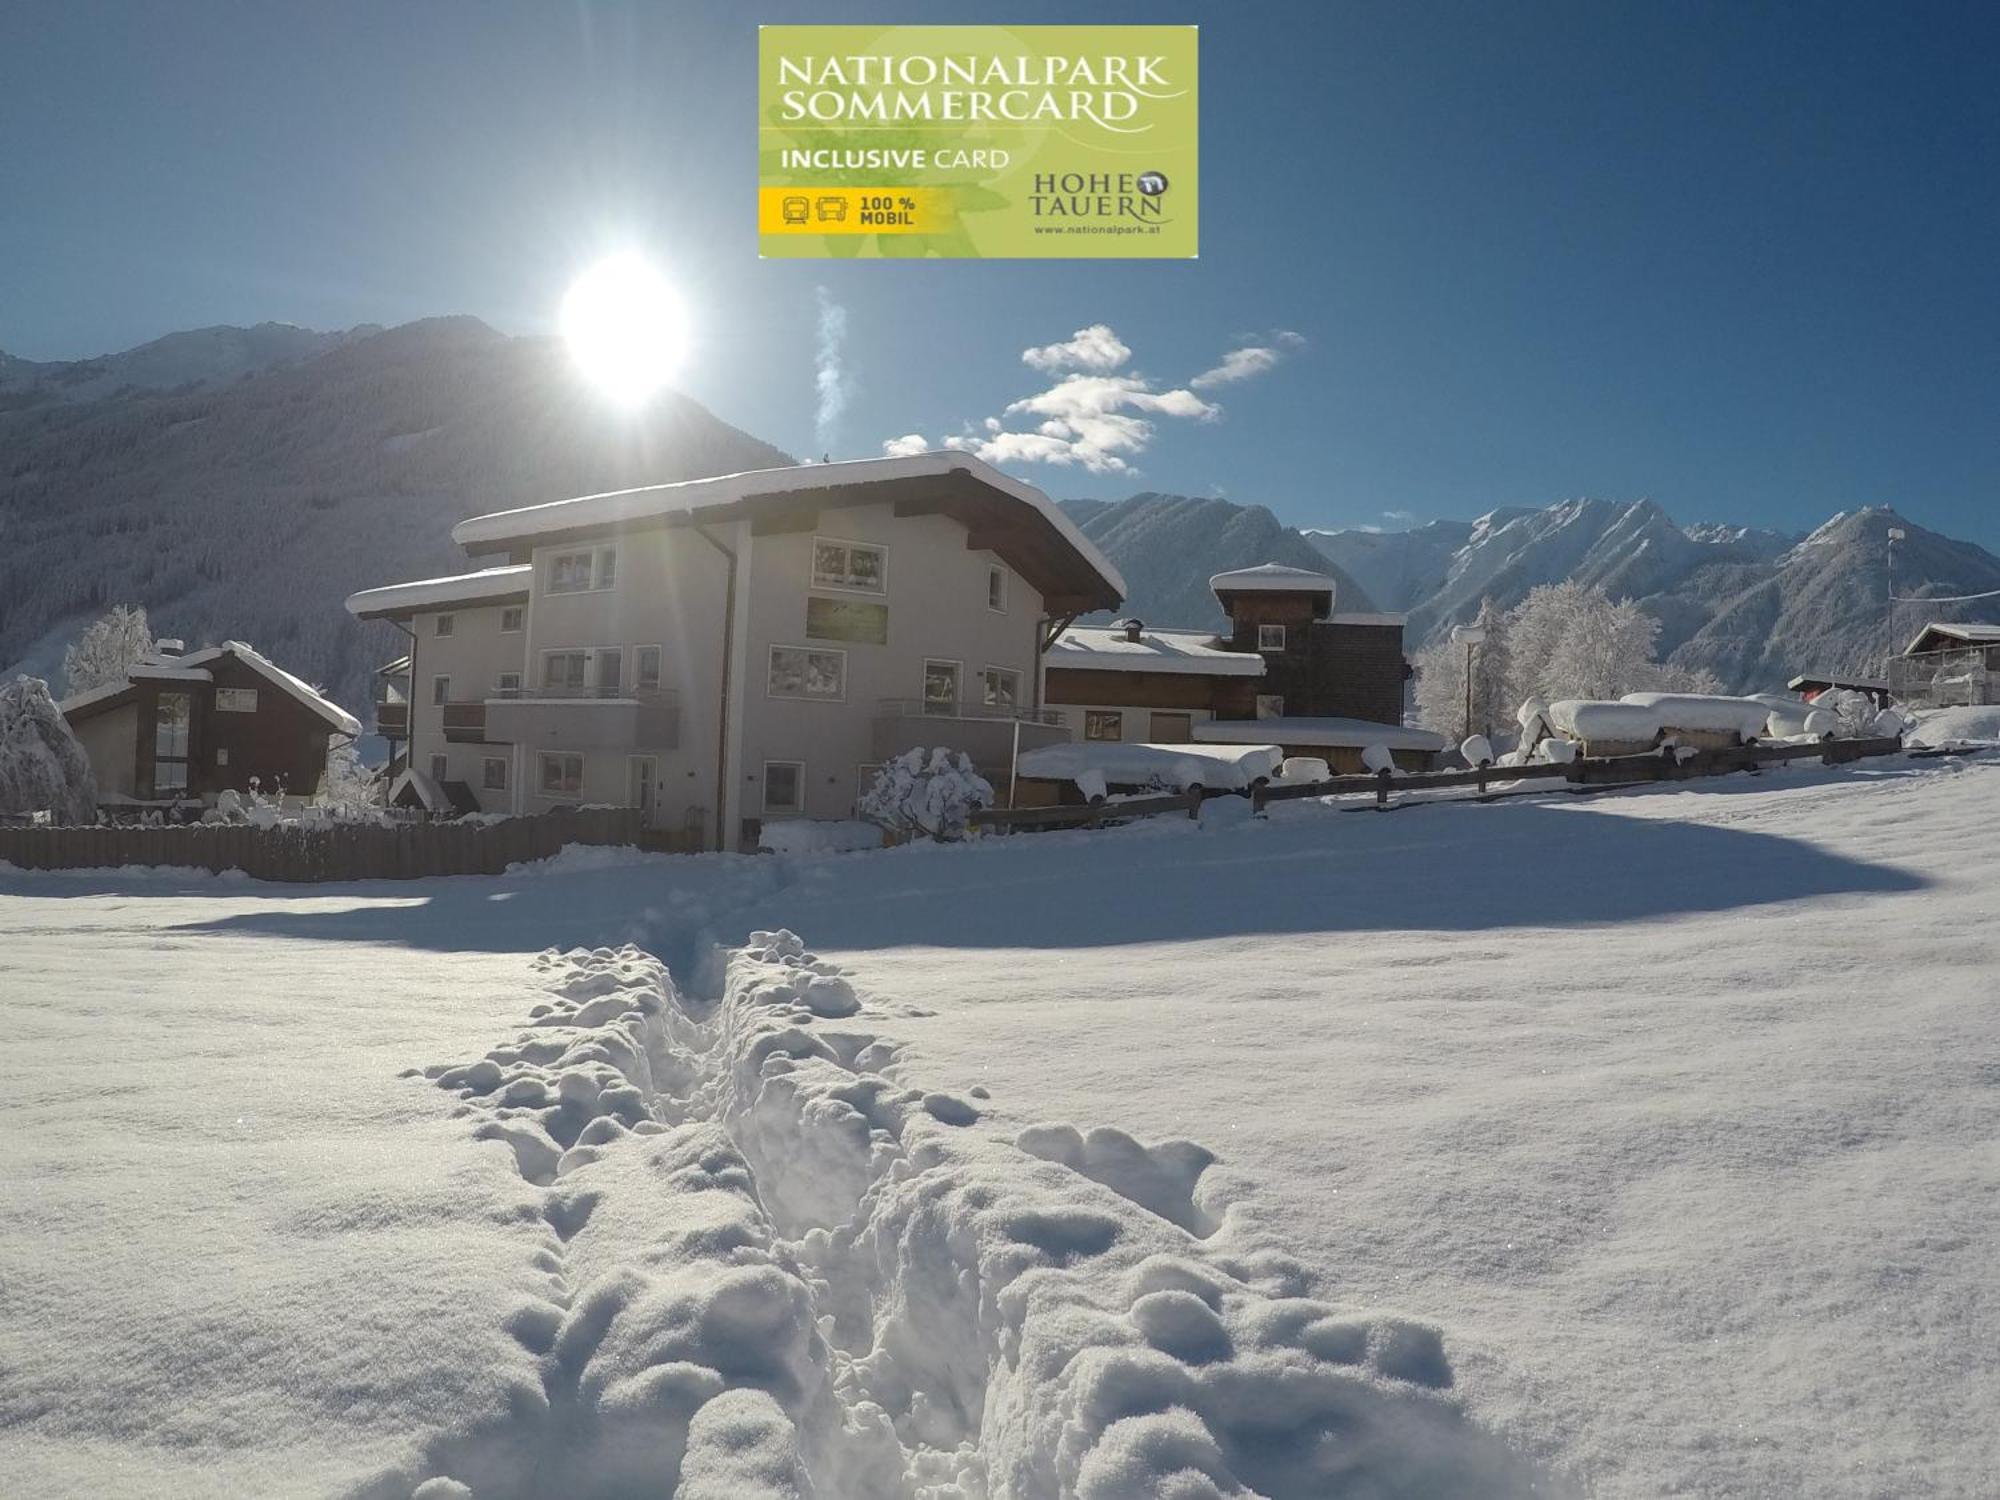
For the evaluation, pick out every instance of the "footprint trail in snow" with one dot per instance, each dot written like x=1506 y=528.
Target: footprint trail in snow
x=774 y=1269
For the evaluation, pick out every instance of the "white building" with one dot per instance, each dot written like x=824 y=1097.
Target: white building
x=728 y=650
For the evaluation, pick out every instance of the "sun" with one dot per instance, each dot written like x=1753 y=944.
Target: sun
x=625 y=328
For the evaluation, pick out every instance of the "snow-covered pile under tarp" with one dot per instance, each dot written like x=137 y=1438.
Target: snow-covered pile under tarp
x=42 y=767
x=817 y=836
x=1599 y=719
x=1704 y=713
x=1176 y=766
x=1794 y=718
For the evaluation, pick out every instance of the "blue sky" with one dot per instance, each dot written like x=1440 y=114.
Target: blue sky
x=1740 y=258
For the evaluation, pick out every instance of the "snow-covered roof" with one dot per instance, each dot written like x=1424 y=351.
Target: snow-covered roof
x=192 y=668
x=146 y=669
x=486 y=586
x=1839 y=680
x=1272 y=578
x=1189 y=651
x=1348 y=734
x=696 y=497
x=429 y=793
x=1365 y=617
x=342 y=721
x=1971 y=635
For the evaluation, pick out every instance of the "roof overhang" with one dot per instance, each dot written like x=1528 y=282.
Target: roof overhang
x=1000 y=514
x=399 y=601
x=1355 y=734
x=1962 y=635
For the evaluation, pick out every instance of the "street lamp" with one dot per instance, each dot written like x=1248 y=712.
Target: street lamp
x=1469 y=636
x=1896 y=534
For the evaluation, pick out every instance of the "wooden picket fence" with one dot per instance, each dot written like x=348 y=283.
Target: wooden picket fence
x=335 y=851
x=1583 y=774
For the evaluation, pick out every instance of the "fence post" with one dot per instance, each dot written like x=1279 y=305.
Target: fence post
x=1194 y=798
x=1382 y=789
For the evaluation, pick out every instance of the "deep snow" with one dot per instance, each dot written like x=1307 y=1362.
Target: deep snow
x=1654 y=1130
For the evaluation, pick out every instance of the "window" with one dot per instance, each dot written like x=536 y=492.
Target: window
x=801 y=672
x=235 y=700
x=493 y=773
x=1172 y=729
x=784 y=786
x=1103 y=724
x=646 y=668
x=940 y=687
x=996 y=589
x=445 y=625
x=1270 y=706
x=849 y=565
x=564 y=671
x=1270 y=637
x=562 y=775
x=1000 y=687
x=508 y=685
x=580 y=572
x=511 y=619
x=172 y=713
x=170 y=726
x=222 y=755
x=440 y=690
x=609 y=671
x=440 y=768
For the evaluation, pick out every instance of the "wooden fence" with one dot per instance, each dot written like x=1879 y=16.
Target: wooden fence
x=1583 y=774
x=336 y=851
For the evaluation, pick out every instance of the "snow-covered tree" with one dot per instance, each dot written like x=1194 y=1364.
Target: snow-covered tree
x=1563 y=641
x=42 y=767
x=107 y=649
x=1441 y=679
x=932 y=792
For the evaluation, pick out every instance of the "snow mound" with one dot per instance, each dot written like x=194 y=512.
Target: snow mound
x=1978 y=724
x=813 y=836
x=775 y=1268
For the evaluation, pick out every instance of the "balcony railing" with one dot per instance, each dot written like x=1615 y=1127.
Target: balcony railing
x=392 y=720
x=584 y=718
x=580 y=691
x=924 y=708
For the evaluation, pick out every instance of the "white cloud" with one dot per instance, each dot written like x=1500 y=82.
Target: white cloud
x=909 y=443
x=1093 y=348
x=1249 y=359
x=1399 y=517
x=1089 y=419
x=829 y=373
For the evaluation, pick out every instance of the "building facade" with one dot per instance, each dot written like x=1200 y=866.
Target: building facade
x=1289 y=671
x=180 y=730
x=727 y=651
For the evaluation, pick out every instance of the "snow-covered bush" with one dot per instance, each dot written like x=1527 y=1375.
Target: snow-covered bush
x=1854 y=713
x=1378 y=758
x=42 y=767
x=108 y=648
x=932 y=792
x=348 y=791
x=1477 y=750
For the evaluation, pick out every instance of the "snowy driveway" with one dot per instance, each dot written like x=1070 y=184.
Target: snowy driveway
x=1674 y=1109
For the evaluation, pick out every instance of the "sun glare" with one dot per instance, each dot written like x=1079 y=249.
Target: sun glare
x=625 y=328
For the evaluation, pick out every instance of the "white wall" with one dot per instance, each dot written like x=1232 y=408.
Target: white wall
x=936 y=594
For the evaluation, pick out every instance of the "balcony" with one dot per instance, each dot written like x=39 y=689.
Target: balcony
x=583 y=718
x=986 y=733
x=392 y=720
x=465 y=723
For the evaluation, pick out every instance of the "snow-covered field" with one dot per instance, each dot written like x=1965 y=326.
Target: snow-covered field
x=1636 y=1144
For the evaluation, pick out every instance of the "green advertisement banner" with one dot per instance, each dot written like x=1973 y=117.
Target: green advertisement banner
x=978 y=142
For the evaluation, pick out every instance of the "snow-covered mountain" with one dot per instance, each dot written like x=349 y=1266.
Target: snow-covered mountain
x=1168 y=546
x=180 y=361
x=1753 y=606
x=250 y=506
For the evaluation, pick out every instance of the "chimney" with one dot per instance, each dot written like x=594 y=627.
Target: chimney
x=1133 y=629
x=171 y=646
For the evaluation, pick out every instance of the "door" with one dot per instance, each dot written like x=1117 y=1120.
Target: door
x=642 y=788
x=1172 y=729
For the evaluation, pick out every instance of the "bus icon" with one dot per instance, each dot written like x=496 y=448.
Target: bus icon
x=796 y=210
x=834 y=209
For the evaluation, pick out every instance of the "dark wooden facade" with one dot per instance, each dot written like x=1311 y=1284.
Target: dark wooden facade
x=281 y=745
